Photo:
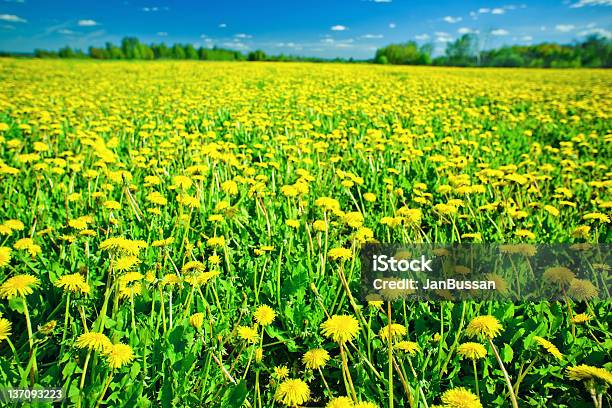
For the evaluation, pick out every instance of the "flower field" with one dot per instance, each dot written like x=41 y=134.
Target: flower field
x=188 y=234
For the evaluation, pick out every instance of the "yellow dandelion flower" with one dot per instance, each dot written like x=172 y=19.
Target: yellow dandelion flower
x=369 y=197
x=558 y=275
x=118 y=355
x=365 y=404
x=342 y=254
x=523 y=233
x=460 y=398
x=182 y=182
x=292 y=392
x=193 y=266
x=340 y=402
x=582 y=289
x=162 y=242
x=548 y=346
x=20 y=285
x=585 y=372
x=197 y=320
x=581 y=318
x=340 y=328
x=73 y=283
x=5 y=328
x=15 y=225
x=47 y=328
x=473 y=351
x=248 y=334
x=112 y=205
x=93 y=341
x=170 y=279
x=602 y=218
x=315 y=358
x=264 y=315
x=125 y=263
x=319 y=225
x=5 y=256
x=230 y=187
x=280 y=372
x=484 y=327
x=216 y=241
x=409 y=347
x=581 y=231
x=292 y=223
x=396 y=329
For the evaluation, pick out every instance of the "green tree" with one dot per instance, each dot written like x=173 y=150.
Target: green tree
x=190 y=52
x=407 y=53
x=463 y=51
x=257 y=55
x=178 y=52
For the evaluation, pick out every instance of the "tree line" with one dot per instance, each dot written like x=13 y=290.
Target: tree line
x=594 y=52
x=467 y=51
x=132 y=49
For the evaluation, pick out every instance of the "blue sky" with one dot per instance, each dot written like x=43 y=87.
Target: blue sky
x=325 y=28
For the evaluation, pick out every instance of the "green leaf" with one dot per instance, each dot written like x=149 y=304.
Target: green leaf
x=507 y=353
x=16 y=304
x=134 y=370
x=235 y=396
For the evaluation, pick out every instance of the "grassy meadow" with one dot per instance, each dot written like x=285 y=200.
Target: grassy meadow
x=188 y=233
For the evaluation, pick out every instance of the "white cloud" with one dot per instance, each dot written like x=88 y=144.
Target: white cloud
x=465 y=30
x=7 y=27
x=372 y=36
x=338 y=28
x=348 y=43
x=381 y=1
x=66 y=31
x=11 y=18
x=583 y=3
x=147 y=9
x=443 y=37
x=222 y=25
x=599 y=31
x=162 y=33
x=452 y=20
x=499 y=32
x=422 y=37
x=242 y=35
x=88 y=23
x=392 y=25
x=527 y=38
x=543 y=28
x=287 y=45
x=484 y=10
x=498 y=11
x=564 y=28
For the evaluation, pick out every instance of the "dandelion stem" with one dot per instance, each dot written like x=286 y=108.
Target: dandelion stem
x=84 y=370
x=348 y=373
x=506 y=376
x=476 y=377
x=390 y=355
x=66 y=322
x=329 y=393
x=30 y=339
x=106 y=385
